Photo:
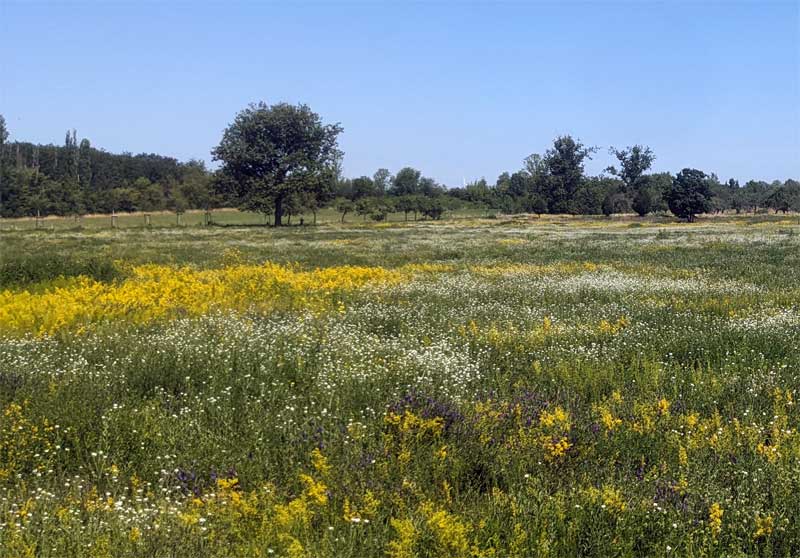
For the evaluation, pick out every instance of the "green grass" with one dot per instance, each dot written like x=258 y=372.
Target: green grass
x=194 y=218
x=563 y=387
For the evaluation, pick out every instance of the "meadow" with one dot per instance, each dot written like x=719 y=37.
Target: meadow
x=512 y=387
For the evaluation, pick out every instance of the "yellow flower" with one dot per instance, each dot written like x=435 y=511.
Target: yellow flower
x=315 y=490
x=715 y=513
x=609 y=420
x=155 y=292
x=402 y=546
x=227 y=484
x=612 y=499
x=555 y=449
x=763 y=526
x=320 y=462
x=558 y=416
x=448 y=531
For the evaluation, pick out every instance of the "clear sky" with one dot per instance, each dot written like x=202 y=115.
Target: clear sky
x=459 y=90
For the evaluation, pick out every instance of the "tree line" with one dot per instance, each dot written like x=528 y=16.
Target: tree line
x=281 y=160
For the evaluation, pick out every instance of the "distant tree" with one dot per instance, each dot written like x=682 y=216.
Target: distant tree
x=364 y=207
x=536 y=166
x=536 y=204
x=276 y=151
x=314 y=201
x=564 y=163
x=148 y=196
x=379 y=208
x=432 y=207
x=85 y=165
x=503 y=184
x=633 y=163
x=520 y=184
x=362 y=187
x=407 y=204
x=642 y=202
x=382 y=179
x=657 y=184
x=122 y=199
x=430 y=188
x=478 y=191
x=177 y=203
x=689 y=195
x=754 y=194
x=197 y=187
x=792 y=188
x=779 y=200
x=615 y=202
x=344 y=206
x=3 y=131
x=294 y=206
x=406 y=182
x=5 y=177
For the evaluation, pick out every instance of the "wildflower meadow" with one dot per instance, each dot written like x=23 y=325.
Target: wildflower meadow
x=466 y=388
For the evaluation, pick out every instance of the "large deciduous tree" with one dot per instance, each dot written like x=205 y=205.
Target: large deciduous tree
x=564 y=164
x=406 y=182
x=272 y=152
x=689 y=195
x=634 y=162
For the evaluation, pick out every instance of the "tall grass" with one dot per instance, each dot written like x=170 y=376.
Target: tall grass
x=579 y=390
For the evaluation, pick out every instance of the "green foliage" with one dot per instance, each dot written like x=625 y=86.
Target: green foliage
x=274 y=152
x=689 y=195
x=20 y=268
x=642 y=202
x=634 y=162
x=406 y=182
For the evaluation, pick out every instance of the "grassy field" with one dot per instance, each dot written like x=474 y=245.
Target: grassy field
x=219 y=217
x=473 y=387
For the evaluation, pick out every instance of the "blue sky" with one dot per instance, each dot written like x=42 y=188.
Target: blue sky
x=459 y=90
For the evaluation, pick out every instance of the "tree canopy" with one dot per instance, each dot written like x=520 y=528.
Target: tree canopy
x=283 y=160
x=689 y=194
x=272 y=152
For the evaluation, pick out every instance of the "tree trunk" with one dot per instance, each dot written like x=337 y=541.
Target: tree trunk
x=278 y=211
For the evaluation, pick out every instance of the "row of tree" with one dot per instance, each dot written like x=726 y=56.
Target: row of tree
x=282 y=160
x=76 y=178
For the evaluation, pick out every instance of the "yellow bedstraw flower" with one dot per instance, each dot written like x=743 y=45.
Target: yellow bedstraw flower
x=320 y=462
x=153 y=292
x=609 y=421
x=448 y=530
x=555 y=449
x=558 y=416
x=402 y=546
x=316 y=491
x=715 y=513
x=612 y=499
x=763 y=526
